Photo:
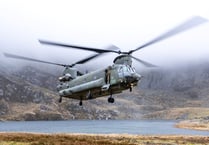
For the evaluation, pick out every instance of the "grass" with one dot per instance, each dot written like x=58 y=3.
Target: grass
x=194 y=124
x=81 y=139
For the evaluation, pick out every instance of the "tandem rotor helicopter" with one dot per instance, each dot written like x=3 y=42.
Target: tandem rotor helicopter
x=108 y=81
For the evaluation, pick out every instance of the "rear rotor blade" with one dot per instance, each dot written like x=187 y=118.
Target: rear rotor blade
x=191 y=23
x=77 y=47
x=147 y=64
x=46 y=62
x=31 y=59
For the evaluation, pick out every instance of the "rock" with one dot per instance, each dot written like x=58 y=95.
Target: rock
x=4 y=107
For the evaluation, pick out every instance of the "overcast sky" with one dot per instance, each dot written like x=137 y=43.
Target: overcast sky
x=99 y=23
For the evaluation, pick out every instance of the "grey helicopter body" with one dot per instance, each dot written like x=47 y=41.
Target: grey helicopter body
x=108 y=81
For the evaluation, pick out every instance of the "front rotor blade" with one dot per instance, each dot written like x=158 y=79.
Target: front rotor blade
x=77 y=47
x=191 y=23
x=147 y=64
x=111 y=47
x=31 y=59
x=85 y=59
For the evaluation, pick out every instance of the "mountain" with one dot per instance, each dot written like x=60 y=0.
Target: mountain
x=178 y=93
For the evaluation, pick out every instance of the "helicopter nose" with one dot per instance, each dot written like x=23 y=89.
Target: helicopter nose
x=133 y=78
x=137 y=76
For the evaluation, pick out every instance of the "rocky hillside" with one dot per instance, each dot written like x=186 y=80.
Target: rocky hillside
x=181 y=93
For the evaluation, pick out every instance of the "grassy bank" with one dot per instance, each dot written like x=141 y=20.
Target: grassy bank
x=80 y=139
x=194 y=124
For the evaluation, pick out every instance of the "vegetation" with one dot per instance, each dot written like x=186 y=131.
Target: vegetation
x=196 y=124
x=76 y=139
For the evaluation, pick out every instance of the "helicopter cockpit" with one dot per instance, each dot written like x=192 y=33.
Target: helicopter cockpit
x=128 y=74
x=125 y=70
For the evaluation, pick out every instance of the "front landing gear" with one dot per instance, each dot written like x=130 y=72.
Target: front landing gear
x=111 y=100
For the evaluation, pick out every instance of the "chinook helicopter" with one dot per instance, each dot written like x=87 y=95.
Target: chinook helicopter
x=108 y=81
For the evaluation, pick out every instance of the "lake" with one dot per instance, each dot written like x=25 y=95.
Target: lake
x=99 y=127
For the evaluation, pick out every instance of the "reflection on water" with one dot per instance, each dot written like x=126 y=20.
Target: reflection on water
x=98 y=127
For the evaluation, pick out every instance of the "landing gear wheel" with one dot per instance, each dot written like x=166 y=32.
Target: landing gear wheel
x=131 y=89
x=111 y=100
x=60 y=100
x=80 y=103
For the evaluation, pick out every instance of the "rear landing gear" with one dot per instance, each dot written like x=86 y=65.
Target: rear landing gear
x=111 y=99
x=131 y=87
x=80 y=103
x=60 y=100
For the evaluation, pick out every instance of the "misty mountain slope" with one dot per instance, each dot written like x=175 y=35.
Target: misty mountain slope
x=23 y=100
x=38 y=77
x=178 y=79
x=19 y=98
x=182 y=92
x=28 y=94
x=14 y=89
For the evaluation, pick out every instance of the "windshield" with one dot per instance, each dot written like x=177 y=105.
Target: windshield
x=126 y=69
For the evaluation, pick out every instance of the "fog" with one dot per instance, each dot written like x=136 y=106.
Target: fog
x=126 y=24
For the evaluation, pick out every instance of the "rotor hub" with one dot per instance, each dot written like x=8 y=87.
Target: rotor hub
x=123 y=59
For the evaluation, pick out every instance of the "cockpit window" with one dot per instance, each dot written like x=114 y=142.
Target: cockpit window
x=126 y=69
x=132 y=69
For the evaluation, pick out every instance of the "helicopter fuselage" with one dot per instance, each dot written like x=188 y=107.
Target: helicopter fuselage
x=111 y=80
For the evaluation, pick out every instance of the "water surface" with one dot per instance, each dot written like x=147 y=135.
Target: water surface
x=99 y=127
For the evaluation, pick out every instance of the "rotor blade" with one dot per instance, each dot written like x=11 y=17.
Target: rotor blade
x=46 y=62
x=111 y=47
x=147 y=64
x=191 y=23
x=77 y=47
x=85 y=59
x=31 y=59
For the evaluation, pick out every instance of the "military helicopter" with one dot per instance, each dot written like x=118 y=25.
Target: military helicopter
x=108 y=81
